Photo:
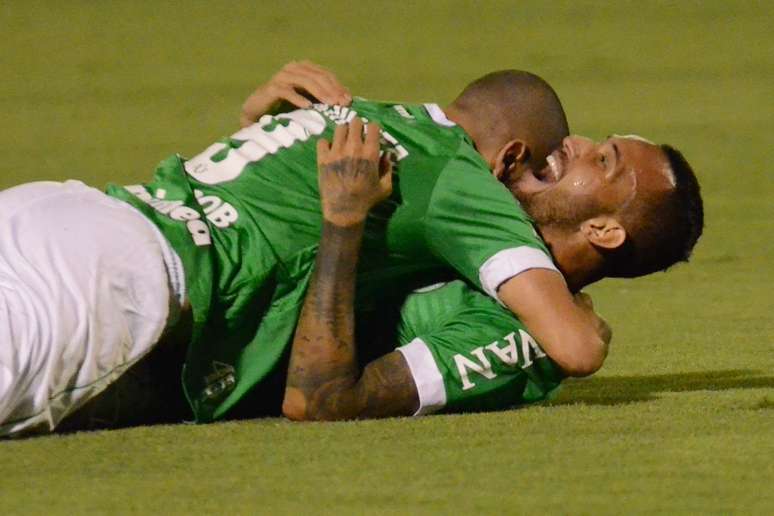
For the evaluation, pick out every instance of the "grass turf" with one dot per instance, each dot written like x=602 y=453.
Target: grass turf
x=678 y=421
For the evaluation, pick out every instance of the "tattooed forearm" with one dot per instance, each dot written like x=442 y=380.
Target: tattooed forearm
x=333 y=283
x=323 y=378
x=323 y=354
x=387 y=388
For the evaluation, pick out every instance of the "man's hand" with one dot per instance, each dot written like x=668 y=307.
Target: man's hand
x=566 y=327
x=294 y=83
x=583 y=301
x=603 y=330
x=352 y=176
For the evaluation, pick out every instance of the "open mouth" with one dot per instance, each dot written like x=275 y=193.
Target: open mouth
x=554 y=169
x=533 y=181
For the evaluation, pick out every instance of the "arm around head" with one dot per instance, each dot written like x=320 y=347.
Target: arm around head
x=566 y=326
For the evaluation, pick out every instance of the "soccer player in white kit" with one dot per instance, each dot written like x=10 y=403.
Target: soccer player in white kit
x=87 y=287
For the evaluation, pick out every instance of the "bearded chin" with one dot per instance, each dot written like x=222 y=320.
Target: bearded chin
x=553 y=208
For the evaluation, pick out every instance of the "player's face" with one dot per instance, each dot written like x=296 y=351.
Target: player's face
x=584 y=179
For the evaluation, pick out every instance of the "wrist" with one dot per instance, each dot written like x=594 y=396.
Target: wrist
x=343 y=227
x=339 y=249
x=344 y=219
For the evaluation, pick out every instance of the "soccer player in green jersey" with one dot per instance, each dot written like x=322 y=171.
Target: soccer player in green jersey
x=462 y=351
x=600 y=209
x=242 y=220
x=235 y=230
x=434 y=370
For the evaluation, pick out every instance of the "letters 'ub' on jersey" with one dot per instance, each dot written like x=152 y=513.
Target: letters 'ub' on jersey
x=244 y=216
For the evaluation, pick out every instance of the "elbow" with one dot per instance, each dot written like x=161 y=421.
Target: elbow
x=294 y=405
x=581 y=368
x=587 y=359
x=301 y=413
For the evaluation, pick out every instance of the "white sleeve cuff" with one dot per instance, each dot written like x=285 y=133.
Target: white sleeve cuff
x=427 y=376
x=510 y=262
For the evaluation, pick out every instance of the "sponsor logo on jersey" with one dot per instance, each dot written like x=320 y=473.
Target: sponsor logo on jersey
x=220 y=213
x=175 y=210
x=343 y=115
x=217 y=211
x=220 y=381
x=402 y=111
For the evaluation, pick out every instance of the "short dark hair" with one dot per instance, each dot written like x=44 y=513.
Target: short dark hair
x=516 y=103
x=665 y=229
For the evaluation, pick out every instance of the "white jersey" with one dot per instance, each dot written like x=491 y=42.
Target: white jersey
x=87 y=286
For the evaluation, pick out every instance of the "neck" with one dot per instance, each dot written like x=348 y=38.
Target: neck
x=456 y=115
x=580 y=264
x=470 y=124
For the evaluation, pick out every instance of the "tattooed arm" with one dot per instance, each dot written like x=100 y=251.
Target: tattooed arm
x=324 y=381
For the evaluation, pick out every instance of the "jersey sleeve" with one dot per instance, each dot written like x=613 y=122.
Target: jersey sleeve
x=475 y=225
x=481 y=360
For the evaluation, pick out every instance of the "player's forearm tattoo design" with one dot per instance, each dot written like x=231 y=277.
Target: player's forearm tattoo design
x=350 y=166
x=324 y=381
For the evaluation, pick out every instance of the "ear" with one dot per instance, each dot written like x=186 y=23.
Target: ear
x=511 y=154
x=605 y=232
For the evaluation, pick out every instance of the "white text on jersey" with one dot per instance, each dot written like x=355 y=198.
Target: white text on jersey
x=509 y=354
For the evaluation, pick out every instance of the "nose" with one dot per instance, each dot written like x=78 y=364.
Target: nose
x=575 y=145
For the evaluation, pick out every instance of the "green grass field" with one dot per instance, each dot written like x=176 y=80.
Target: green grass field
x=679 y=421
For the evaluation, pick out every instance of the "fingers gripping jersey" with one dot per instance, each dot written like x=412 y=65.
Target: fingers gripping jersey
x=467 y=353
x=244 y=216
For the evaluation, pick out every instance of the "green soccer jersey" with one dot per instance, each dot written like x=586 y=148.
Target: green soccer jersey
x=467 y=353
x=244 y=216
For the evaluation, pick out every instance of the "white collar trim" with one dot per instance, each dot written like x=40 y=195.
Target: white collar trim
x=438 y=116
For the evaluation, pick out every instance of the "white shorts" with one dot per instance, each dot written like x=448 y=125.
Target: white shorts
x=87 y=286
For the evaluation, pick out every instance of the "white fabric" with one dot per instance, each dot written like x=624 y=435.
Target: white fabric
x=438 y=116
x=427 y=376
x=509 y=263
x=84 y=294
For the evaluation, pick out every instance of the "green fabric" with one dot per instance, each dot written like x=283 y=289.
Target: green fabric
x=465 y=330
x=244 y=216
